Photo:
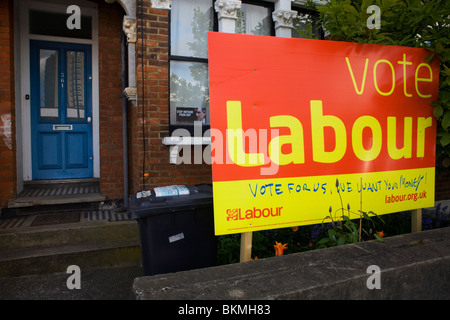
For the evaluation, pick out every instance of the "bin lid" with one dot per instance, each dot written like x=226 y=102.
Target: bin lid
x=199 y=196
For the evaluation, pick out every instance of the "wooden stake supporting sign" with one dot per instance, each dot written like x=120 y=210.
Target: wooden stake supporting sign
x=246 y=246
x=416 y=220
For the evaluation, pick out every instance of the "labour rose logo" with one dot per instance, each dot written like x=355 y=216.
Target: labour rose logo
x=232 y=214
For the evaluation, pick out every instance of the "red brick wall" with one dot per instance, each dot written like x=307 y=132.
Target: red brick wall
x=8 y=184
x=153 y=96
x=110 y=111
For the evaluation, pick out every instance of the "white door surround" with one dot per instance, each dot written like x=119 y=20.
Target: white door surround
x=22 y=77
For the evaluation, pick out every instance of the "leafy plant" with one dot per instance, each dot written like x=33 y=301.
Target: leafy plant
x=228 y=249
x=345 y=230
x=438 y=217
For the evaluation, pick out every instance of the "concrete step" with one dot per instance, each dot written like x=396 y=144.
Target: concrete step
x=54 y=192
x=63 y=234
x=45 y=260
x=23 y=202
x=87 y=244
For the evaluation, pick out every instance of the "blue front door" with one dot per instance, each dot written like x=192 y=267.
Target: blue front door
x=61 y=110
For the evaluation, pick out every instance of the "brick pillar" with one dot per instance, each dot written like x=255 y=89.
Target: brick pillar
x=8 y=180
x=110 y=94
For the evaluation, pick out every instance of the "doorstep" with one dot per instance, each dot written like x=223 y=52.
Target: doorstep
x=51 y=192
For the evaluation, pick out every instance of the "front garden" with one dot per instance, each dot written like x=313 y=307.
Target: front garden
x=269 y=243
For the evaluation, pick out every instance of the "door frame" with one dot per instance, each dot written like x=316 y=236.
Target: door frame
x=22 y=55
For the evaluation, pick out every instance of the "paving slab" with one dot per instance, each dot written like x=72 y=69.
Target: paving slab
x=114 y=283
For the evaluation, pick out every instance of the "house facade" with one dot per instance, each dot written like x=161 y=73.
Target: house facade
x=102 y=89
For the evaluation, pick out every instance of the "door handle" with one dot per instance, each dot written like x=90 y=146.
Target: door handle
x=89 y=119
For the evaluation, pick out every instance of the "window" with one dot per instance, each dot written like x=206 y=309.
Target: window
x=75 y=86
x=190 y=21
x=55 y=25
x=255 y=19
x=304 y=18
x=48 y=85
x=189 y=92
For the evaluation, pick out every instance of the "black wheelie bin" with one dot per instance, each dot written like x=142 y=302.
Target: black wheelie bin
x=176 y=228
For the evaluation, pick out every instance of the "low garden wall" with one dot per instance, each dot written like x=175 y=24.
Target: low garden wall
x=409 y=266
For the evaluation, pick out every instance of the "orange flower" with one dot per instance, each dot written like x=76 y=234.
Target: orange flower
x=380 y=234
x=310 y=244
x=279 y=248
x=294 y=229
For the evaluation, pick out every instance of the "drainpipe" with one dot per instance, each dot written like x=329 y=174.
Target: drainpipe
x=124 y=118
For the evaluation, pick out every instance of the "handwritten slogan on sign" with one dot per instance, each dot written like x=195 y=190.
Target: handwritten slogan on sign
x=294 y=120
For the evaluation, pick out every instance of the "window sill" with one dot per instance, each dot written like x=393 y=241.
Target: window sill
x=186 y=141
x=177 y=143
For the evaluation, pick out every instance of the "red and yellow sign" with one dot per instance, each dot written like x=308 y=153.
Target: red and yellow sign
x=294 y=120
